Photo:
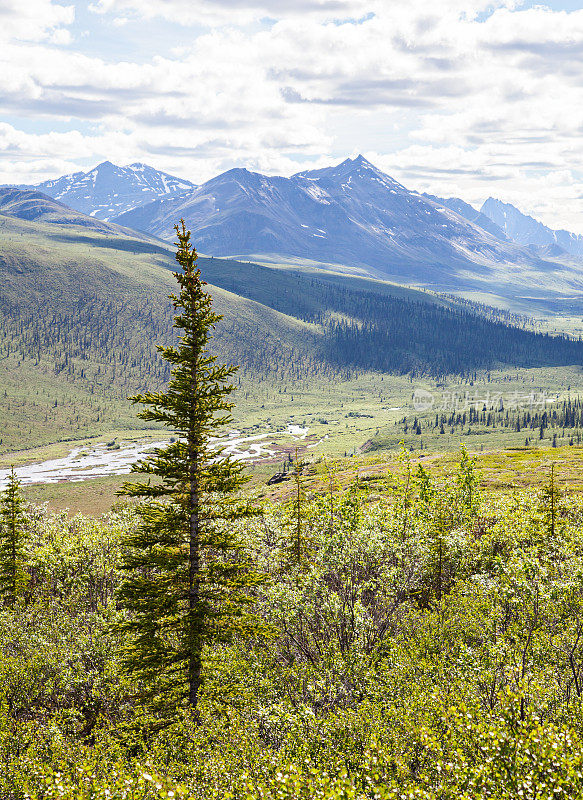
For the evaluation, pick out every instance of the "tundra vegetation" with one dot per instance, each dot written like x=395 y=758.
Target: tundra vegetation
x=418 y=638
x=410 y=636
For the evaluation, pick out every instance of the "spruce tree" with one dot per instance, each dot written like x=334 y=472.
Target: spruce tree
x=552 y=506
x=187 y=583
x=13 y=578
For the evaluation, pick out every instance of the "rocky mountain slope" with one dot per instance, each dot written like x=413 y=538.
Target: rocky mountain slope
x=350 y=216
x=471 y=214
x=525 y=230
x=108 y=190
x=353 y=215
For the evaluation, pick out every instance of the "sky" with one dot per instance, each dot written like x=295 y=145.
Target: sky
x=462 y=98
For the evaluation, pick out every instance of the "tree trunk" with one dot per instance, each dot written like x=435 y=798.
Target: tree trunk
x=194 y=661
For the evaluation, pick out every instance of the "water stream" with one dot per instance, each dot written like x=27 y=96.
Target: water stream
x=100 y=460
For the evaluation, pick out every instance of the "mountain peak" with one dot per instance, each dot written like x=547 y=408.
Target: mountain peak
x=139 y=166
x=358 y=168
x=351 y=163
x=107 y=190
x=361 y=160
x=528 y=231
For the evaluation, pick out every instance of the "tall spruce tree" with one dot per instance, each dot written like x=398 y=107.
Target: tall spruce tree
x=188 y=584
x=13 y=577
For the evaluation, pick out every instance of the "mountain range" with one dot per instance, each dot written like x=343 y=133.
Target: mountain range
x=108 y=190
x=352 y=214
x=526 y=230
x=351 y=217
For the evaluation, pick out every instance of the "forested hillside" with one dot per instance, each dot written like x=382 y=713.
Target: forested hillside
x=84 y=305
x=367 y=327
x=80 y=316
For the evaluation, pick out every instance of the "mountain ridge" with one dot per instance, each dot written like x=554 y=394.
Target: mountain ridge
x=108 y=190
x=471 y=214
x=527 y=231
x=349 y=214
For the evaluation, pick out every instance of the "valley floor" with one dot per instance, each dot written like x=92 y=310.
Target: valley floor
x=502 y=471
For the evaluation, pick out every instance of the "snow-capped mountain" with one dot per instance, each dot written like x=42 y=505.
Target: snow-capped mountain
x=525 y=230
x=351 y=214
x=108 y=190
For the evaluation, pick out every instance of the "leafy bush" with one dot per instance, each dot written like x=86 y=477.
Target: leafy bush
x=428 y=644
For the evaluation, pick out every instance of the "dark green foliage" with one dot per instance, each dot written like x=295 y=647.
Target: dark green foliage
x=13 y=534
x=389 y=335
x=406 y=332
x=297 y=545
x=188 y=582
x=528 y=412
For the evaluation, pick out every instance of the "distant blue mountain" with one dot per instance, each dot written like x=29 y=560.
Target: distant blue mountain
x=351 y=214
x=525 y=230
x=469 y=212
x=108 y=190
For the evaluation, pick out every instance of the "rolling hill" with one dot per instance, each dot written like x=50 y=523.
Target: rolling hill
x=81 y=310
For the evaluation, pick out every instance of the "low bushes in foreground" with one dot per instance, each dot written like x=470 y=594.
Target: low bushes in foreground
x=425 y=642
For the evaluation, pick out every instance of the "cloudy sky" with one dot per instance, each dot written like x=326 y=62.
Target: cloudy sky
x=456 y=97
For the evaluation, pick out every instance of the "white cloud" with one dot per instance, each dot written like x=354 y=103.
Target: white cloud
x=236 y=12
x=462 y=97
x=35 y=20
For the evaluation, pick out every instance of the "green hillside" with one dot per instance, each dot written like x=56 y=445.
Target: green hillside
x=84 y=304
x=80 y=315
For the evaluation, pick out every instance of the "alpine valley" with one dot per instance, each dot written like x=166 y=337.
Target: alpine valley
x=339 y=289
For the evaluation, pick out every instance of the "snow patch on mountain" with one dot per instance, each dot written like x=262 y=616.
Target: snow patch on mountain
x=108 y=190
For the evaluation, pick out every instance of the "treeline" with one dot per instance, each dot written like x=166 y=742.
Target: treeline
x=108 y=342
x=541 y=419
x=395 y=335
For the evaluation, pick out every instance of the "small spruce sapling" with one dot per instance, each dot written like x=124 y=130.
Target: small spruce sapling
x=468 y=481
x=13 y=539
x=297 y=546
x=552 y=505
